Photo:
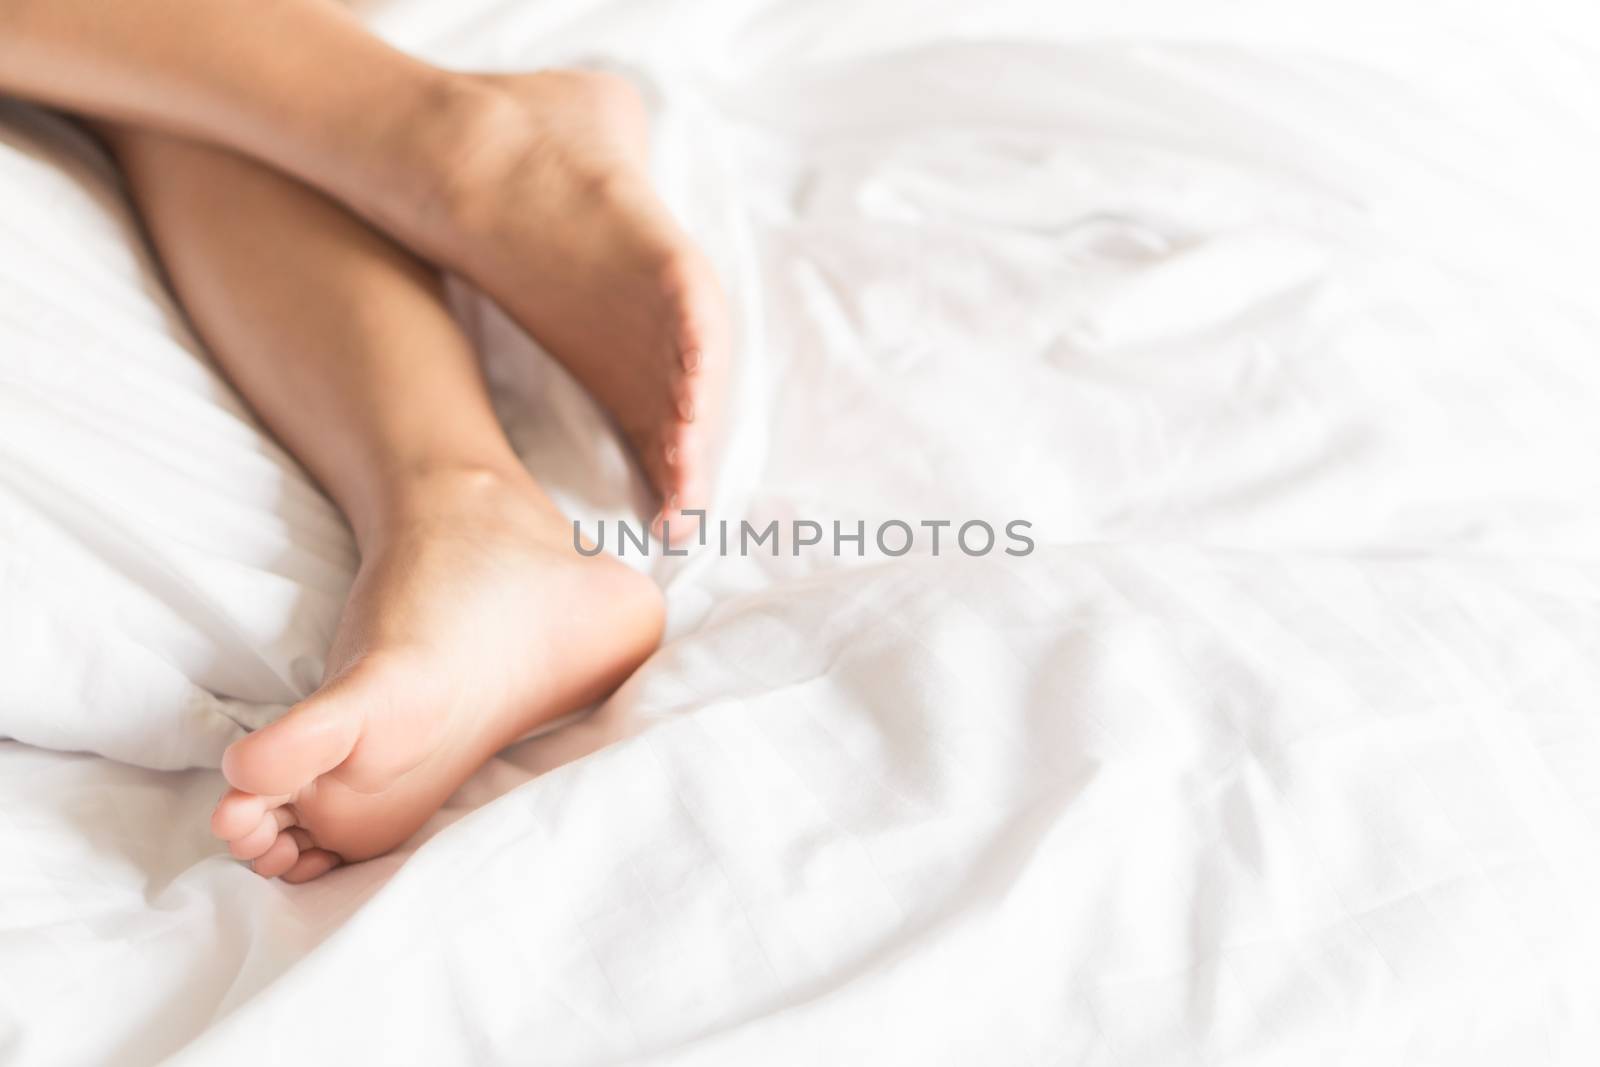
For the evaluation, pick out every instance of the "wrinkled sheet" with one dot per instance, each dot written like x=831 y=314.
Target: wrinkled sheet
x=1276 y=321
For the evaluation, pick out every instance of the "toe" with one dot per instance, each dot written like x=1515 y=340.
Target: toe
x=678 y=483
x=313 y=863
x=238 y=813
x=698 y=309
x=314 y=737
x=256 y=843
x=676 y=528
x=661 y=526
x=278 y=858
x=678 y=447
x=665 y=462
x=683 y=386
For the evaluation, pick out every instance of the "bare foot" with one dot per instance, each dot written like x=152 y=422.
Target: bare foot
x=548 y=207
x=472 y=623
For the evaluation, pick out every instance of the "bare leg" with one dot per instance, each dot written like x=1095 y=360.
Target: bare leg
x=296 y=82
x=472 y=620
x=532 y=186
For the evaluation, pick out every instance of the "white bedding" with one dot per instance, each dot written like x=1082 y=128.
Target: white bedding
x=1277 y=322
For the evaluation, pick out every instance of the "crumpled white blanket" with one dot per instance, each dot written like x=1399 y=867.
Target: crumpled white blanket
x=1279 y=748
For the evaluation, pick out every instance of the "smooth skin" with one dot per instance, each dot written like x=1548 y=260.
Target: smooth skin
x=532 y=186
x=287 y=168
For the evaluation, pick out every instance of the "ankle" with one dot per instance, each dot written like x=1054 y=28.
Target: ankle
x=442 y=495
x=442 y=155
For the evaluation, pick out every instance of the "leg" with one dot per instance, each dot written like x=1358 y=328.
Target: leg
x=532 y=186
x=297 y=82
x=472 y=619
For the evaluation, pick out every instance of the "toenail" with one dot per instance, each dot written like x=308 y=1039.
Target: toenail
x=672 y=454
x=691 y=360
x=686 y=409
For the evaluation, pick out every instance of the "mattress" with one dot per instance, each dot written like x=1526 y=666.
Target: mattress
x=1274 y=322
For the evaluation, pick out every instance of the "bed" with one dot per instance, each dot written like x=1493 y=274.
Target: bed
x=1277 y=324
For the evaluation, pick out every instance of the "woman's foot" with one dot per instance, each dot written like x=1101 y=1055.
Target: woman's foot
x=473 y=622
x=547 y=205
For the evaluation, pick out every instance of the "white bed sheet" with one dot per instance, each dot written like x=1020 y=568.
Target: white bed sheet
x=1279 y=749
